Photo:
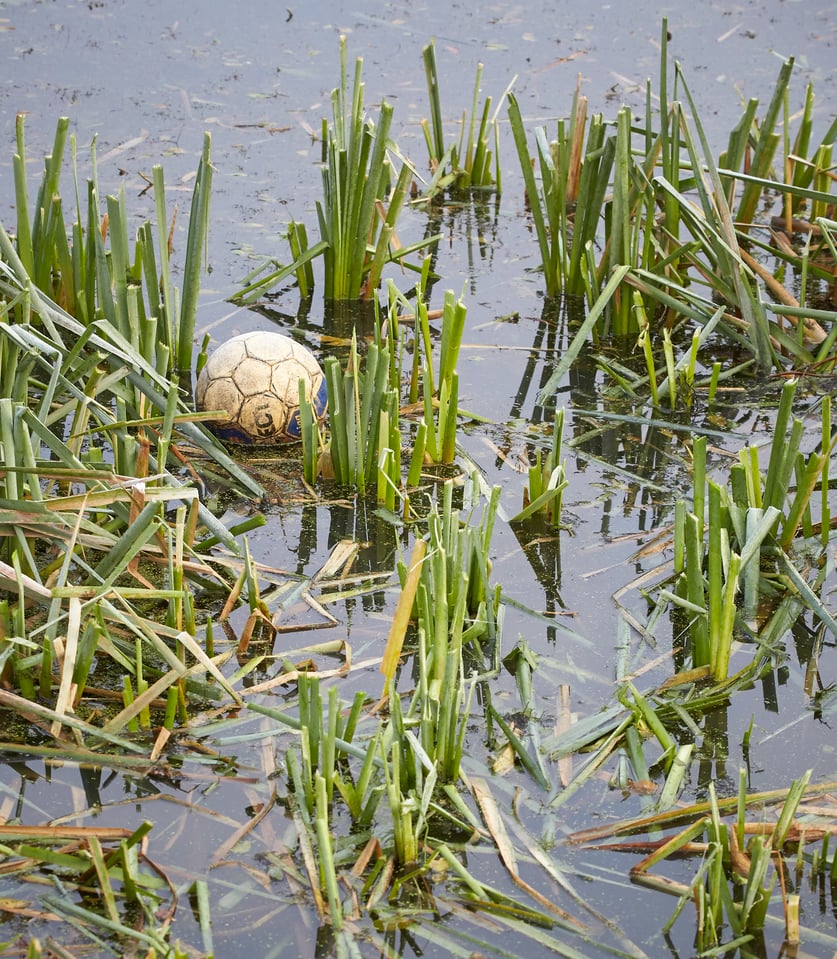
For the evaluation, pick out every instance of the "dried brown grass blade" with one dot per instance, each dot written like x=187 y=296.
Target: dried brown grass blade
x=814 y=333
x=32 y=589
x=497 y=829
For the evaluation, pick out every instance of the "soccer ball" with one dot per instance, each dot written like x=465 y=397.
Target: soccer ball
x=254 y=378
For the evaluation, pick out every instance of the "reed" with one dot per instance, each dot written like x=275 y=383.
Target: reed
x=362 y=404
x=357 y=175
x=363 y=447
x=473 y=162
x=567 y=206
x=363 y=195
x=547 y=480
x=69 y=261
x=737 y=536
x=440 y=383
x=733 y=886
x=93 y=424
x=110 y=865
x=631 y=194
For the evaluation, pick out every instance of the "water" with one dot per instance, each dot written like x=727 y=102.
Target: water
x=147 y=80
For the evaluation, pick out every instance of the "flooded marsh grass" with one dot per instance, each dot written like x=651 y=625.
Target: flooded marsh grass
x=545 y=618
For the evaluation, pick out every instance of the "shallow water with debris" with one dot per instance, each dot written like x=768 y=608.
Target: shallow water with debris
x=147 y=80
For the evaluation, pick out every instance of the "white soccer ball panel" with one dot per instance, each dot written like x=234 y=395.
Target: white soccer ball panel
x=307 y=359
x=270 y=347
x=285 y=381
x=225 y=359
x=220 y=394
x=253 y=376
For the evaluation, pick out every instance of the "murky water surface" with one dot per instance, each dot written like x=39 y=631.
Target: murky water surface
x=147 y=79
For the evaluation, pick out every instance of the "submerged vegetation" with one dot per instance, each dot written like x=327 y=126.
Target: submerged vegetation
x=137 y=632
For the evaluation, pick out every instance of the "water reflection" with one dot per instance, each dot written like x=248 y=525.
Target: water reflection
x=328 y=328
x=469 y=219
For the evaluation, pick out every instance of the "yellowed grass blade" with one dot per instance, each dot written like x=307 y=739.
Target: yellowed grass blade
x=64 y=833
x=496 y=827
x=562 y=724
x=403 y=610
x=339 y=561
x=66 y=687
x=210 y=665
x=494 y=824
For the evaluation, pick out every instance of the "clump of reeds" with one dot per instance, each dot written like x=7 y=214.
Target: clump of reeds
x=103 y=530
x=368 y=398
x=730 y=545
x=363 y=195
x=89 y=267
x=543 y=493
x=575 y=173
x=639 y=218
x=473 y=162
x=396 y=765
x=741 y=860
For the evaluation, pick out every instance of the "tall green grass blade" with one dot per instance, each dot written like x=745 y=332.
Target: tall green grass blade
x=193 y=266
x=584 y=330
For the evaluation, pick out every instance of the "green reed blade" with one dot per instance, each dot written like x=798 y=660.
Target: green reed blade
x=433 y=438
x=546 y=499
x=120 y=258
x=734 y=157
x=780 y=470
x=89 y=920
x=599 y=158
x=581 y=335
x=766 y=143
x=437 y=143
x=196 y=240
x=254 y=289
x=695 y=590
x=169 y=320
x=714 y=566
x=532 y=192
x=453 y=325
x=447 y=424
x=618 y=227
x=723 y=634
x=23 y=232
x=529 y=763
x=723 y=237
x=417 y=456
x=813 y=473
x=304 y=272
x=676 y=775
